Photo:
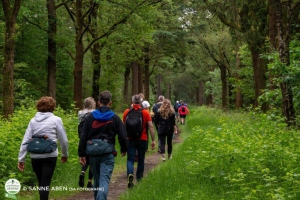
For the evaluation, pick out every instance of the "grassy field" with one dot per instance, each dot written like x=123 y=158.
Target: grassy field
x=227 y=156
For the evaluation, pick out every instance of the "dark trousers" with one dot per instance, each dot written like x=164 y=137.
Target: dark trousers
x=140 y=146
x=87 y=164
x=162 y=138
x=44 y=169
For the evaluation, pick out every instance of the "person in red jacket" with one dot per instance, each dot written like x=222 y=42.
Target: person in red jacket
x=183 y=111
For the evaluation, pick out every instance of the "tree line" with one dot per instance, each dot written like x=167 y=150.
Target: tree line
x=233 y=54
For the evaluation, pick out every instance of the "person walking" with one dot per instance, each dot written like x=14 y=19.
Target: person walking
x=176 y=106
x=138 y=143
x=166 y=127
x=102 y=124
x=155 y=109
x=44 y=125
x=89 y=106
x=183 y=111
x=145 y=105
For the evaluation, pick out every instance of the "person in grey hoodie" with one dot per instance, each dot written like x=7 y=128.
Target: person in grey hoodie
x=44 y=123
x=89 y=106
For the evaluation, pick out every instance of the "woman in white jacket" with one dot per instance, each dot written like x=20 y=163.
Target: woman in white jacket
x=44 y=123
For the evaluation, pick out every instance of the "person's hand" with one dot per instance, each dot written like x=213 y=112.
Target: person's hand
x=64 y=159
x=21 y=166
x=153 y=145
x=82 y=160
x=123 y=154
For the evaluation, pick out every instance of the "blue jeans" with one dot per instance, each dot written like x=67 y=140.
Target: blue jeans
x=140 y=146
x=102 y=168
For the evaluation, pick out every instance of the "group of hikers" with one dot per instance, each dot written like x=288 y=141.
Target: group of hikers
x=97 y=131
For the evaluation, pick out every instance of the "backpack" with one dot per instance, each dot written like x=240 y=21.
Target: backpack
x=182 y=109
x=80 y=124
x=176 y=107
x=164 y=125
x=134 y=123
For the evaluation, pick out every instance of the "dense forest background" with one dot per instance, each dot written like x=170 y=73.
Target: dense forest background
x=234 y=54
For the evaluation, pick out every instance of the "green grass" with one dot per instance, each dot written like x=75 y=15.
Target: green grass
x=227 y=156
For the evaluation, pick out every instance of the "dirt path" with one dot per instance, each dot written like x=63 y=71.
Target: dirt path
x=118 y=183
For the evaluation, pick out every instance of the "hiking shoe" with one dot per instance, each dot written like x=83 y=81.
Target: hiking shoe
x=81 y=180
x=89 y=185
x=163 y=157
x=130 y=181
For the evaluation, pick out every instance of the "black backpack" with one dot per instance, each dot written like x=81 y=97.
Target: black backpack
x=134 y=123
x=164 y=125
x=182 y=109
x=80 y=124
x=176 y=107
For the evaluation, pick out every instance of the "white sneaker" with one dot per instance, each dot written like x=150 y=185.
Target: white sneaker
x=169 y=156
x=163 y=156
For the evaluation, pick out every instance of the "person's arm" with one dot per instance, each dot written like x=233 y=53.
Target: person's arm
x=174 y=124
x=187 y=111
x=23 y=146
x=152 y=134
x=63 y=140
x=122 y=136
x=83 y=139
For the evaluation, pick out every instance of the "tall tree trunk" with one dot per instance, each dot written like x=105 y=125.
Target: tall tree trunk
x=224 y=86
x=209 y=100
x=96 y=56
x=158 y=82
x=96 y=70
x=201 y=93
x=259 y=70
x=168 y=96
x=238 y=91
x=146 y=73
x=283 y=27
x=126 y=85
x=273 y=37
x=134 y=78
x=141 y=79
x=10 y=14
x=77 y=72
x=272 y=24
x=51 y=60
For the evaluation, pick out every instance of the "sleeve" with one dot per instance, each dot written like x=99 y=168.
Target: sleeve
x=26 y=138
x=83 y=140
x=173 y=122
x=187 y=110
x=122 y=135
x=125 y=114
x=62 y=137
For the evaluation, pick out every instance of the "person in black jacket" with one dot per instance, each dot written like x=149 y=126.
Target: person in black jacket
x=166 y=127
x=102 y=123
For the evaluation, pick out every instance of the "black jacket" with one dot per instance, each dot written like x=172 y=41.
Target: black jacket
x=102 y=122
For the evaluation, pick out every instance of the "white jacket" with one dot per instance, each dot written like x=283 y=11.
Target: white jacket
x=45 y=123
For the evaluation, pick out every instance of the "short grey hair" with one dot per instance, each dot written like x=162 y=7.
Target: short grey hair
x=136 y=99
x=161 y=98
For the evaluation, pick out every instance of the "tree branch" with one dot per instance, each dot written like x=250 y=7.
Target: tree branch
x=37 y=25
x=61 y=4
x=90 y=11
x=113 y=27
x=69 y=12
